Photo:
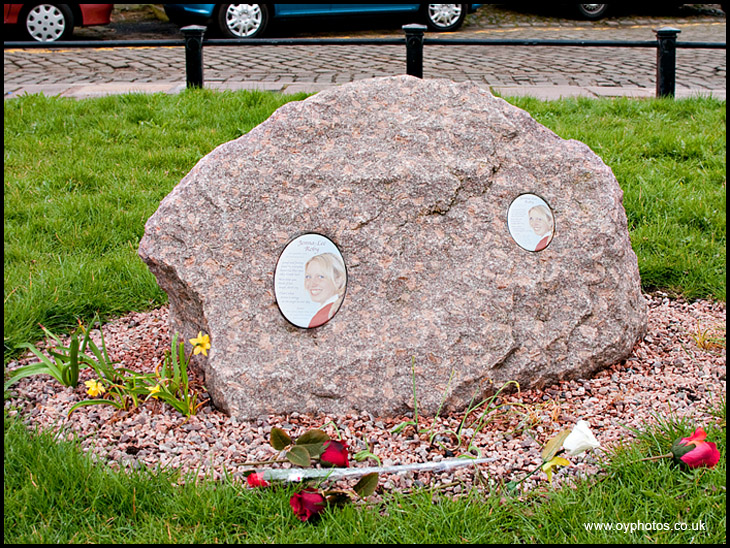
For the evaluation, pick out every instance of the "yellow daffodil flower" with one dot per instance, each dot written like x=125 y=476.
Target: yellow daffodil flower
x=201 y=344
x=553 y=463
x=154 y=390
x=94 y=388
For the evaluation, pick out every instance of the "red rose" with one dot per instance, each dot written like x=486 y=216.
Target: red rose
x=335 y=454
x=256 y=480
x=307 y=504
x=695 y=452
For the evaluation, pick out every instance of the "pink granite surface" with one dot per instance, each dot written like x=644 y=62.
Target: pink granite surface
x=412 y=180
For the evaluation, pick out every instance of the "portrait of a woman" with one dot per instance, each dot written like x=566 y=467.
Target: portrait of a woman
x=325 y=279
x=541 y=222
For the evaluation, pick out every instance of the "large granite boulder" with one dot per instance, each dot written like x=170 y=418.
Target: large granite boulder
x=413 y=181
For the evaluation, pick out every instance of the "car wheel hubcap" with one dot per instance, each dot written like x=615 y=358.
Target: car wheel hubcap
x=243 y=19
x=45 y=23
x=592 y=8
x=444 y=15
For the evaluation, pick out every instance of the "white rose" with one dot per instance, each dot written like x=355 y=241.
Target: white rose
x=580 y=439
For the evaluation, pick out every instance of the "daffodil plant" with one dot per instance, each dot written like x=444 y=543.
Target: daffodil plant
x=116 y=386
x=124 y=388
x=172 y=382
x=63 y=364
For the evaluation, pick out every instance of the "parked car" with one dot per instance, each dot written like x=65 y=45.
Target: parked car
x=591 y=12
x=594 y=12
x=53 y=22
x=251 y=20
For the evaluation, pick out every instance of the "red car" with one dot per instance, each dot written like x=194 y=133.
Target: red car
x=52 y=22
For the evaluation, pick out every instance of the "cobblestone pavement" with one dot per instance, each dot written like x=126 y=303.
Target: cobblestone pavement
x=556 y=71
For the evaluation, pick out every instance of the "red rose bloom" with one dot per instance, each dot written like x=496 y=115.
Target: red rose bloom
x=335 y=454
x=695 y=452
x=256 y=480
x=307 y=504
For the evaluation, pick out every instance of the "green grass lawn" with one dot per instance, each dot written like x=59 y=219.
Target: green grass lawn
x=81 y=179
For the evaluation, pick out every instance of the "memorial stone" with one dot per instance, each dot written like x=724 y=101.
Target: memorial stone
x=476 y=247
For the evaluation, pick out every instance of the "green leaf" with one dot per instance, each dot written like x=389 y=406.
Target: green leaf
x=314 y=449
x=402 y=426
x=312 y=436
x=279 y=439
x=103 y=344
x=59 y=343
x=86 y=339
x=337 y=498
x=367 y=485
x=313 y=441
x=364 y=455
x=38 y=354
x=71 y=375
x=50 y=367
x=175 y=357
x=554 y=445
x=84 y=403
x=27 y=371
x=299 y=456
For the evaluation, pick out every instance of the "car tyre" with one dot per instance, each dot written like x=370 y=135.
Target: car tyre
x=242 y=20
x=444 y=17
x=592 y=12
x=47 y=22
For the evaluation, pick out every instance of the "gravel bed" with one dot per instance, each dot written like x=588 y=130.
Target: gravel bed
x=668 y=373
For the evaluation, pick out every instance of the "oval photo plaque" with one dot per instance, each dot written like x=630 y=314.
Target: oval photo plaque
x=531 y=222
x=310 y=280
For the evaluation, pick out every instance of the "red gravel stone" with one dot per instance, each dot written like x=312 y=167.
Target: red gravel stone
x=667 y=373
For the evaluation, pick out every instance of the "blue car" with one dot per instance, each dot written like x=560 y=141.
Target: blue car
x=251 y=20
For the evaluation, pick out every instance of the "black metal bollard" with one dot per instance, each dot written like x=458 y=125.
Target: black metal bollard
x=414 y=49
x=666 y=61
x=193 y=36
